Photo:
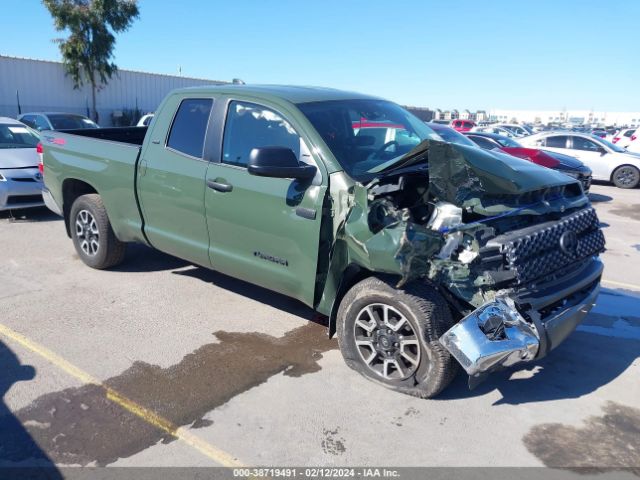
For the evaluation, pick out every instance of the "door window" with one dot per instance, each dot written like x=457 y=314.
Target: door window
x=585 y=144
x=558 y=141
x=190 y=126
x=252 y=126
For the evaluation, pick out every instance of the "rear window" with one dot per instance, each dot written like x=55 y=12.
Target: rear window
x=16 y=136
x=190 y=126
x=69 y=122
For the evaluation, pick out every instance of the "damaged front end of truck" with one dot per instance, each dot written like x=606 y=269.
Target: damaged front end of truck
x=512 y=247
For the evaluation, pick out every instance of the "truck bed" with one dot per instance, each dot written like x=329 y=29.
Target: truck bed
x=105 y=160
x=130 y=135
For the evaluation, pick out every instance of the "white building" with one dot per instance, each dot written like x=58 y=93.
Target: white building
x=466 y=115
x=43 y=86
x=576 y=117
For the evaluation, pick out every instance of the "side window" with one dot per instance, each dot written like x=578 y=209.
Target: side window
x=558 y=141
x=190 y=126
x=41 y=123
x=628 y=133
x=580 y=143
x=251 y=126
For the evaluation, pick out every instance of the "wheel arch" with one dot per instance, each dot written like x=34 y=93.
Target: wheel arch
x=351 y=275
x=72 y=188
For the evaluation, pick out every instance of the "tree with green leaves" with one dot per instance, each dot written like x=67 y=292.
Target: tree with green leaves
x=87 y=52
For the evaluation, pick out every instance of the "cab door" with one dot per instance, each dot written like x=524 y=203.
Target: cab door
x=263 y=230
x=171 y=179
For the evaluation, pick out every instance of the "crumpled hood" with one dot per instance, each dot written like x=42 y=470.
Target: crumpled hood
x=458 y=173
x=18 y=157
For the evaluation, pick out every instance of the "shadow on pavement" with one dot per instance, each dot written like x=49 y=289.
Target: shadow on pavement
x=599 y=351
x=598 y=198
x=140 y=258
x=38 y=214
x=254 y=292
x=17 y=448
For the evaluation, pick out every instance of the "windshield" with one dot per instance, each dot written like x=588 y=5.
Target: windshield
x=610 y=145
x=70 y=122
x=508 y=142
x=17 y=136
x=450 y=135
x=364 y=134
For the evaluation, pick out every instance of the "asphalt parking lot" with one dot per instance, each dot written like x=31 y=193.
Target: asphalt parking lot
x=161 y=363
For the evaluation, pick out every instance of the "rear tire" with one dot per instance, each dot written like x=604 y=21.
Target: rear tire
x=403 y=352
x=626 y=176
x=92 y=235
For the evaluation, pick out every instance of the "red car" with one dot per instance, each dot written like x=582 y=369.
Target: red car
x=462 y=125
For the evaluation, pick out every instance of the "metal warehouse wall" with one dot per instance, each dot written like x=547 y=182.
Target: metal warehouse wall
x=43 y=86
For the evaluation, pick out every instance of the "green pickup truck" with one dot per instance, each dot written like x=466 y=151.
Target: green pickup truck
x=424 y=255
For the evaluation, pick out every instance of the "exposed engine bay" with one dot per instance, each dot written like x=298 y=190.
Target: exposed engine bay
x=453 y=225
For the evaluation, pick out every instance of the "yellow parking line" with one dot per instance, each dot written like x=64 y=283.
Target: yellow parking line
x=622 y=284
x=214 y=453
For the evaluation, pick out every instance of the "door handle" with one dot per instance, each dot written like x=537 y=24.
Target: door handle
x=219 y=187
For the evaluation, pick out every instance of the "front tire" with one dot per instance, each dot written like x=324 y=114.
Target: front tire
x=391 y=336
x=626 y=176
x=93 y=237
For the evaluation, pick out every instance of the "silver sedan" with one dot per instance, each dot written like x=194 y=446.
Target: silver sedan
x=20 y=179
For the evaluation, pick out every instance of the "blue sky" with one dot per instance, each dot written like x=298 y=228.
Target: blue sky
x=477 y=54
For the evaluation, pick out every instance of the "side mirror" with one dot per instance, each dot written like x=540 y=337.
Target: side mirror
x=602 y=151
x=278 y=162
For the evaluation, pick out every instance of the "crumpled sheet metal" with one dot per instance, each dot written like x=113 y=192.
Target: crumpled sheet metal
x=451 y=179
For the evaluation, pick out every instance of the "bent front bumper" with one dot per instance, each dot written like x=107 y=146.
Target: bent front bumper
x=524 y=326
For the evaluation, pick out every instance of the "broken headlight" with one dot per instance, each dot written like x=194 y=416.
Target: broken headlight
x=445 y=217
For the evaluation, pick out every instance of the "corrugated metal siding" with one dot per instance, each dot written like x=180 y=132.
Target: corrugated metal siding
x=43 y=86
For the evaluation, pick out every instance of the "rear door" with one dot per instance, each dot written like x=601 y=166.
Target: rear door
x=171 y=179
x=263 y=230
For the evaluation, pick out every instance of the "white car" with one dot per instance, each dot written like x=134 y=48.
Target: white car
x=624 y=137
x=608 y=162
x=494 y=129
x=145 y=120
x=20 y=178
